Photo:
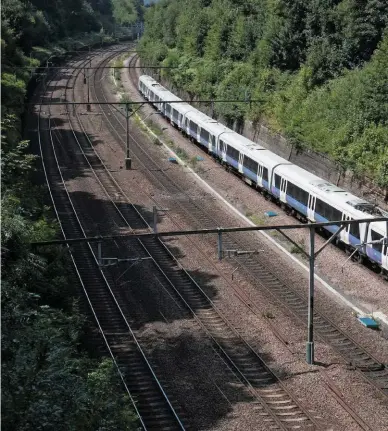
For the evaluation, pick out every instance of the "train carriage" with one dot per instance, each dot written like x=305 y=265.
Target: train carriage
x=231 y=148
x=193 y=121
x=306 y=195
x=205 y=130
x=376 y=249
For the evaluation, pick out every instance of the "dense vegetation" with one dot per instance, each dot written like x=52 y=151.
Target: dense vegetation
x=319 y=69
x=49 y=380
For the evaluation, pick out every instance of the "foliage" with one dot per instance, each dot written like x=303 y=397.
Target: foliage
x=48 y=380
x=126 y=11
x=317 y=70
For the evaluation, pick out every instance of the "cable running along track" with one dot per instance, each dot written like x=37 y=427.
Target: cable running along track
x=248 y=366
x=255 y=267
x=149 y=399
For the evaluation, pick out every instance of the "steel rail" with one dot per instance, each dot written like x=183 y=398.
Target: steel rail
x=143 y=245
x=181 y=426
x=235 y=366
x=113 y=297
x=76 y=267
x=372 y=375
x=130 y=329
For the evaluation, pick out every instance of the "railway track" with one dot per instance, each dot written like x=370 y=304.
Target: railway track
x=150 y=401
x=200 y=215
x=276 y=404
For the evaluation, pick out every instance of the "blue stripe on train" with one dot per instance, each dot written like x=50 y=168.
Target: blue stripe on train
x=294 y=203
x=374 y=255
x=248 y=173
x=275 y=191
x=232 y=162
x=204 y=142
x=321 y=219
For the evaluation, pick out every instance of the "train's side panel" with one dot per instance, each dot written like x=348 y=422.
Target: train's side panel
x=285 y=181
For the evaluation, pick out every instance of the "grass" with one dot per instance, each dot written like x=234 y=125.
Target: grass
x=181 y=153
x=275 y=234
x=154 y=128
x=296 y=250
x=117 y=72
x=194 y=162
x=125 y=98
x=257 y=219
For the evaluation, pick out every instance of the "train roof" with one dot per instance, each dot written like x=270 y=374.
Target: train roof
x=198 y=117
x=327 y=191
x=208 y=123
x=216 y=128
x=147 y=79
x=240 y=143
x=380 y=227
x=267 y=158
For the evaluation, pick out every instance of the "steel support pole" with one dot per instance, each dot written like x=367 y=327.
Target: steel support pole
x=219 y=245
x=128 y=160
x=310 y=323
x=155 y=213
x=99 y=253
x=88 y=105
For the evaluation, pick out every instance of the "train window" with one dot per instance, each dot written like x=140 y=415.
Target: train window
x=205 y=135
x=232 y=152
x=327 y=211
x=168 y=109
x=277 y=181
x=193 y=127
x=297 y=193
x=250 y=164
x=291 y=190
x=320 y=207
x=174 y=114
x=265 y=174
x=222 y=146
x=354 y=229
x=336 y=214
x=376 y=237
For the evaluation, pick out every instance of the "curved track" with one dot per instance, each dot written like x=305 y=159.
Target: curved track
x=277 y=405
x=260 y=272
x=151 y=403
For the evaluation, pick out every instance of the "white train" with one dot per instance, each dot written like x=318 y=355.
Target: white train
x=305 y=195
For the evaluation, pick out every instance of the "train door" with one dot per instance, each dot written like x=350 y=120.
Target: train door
x=259 y=179
x=221 y=150
x=240 y=163
x=385 y=249
x=283 y=189
x=212 y=143
x=186 y=126
x=344 y=235
x=311 y=208
x=385 y=255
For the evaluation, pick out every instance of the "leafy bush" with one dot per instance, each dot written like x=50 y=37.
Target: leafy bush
x=316 y=70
